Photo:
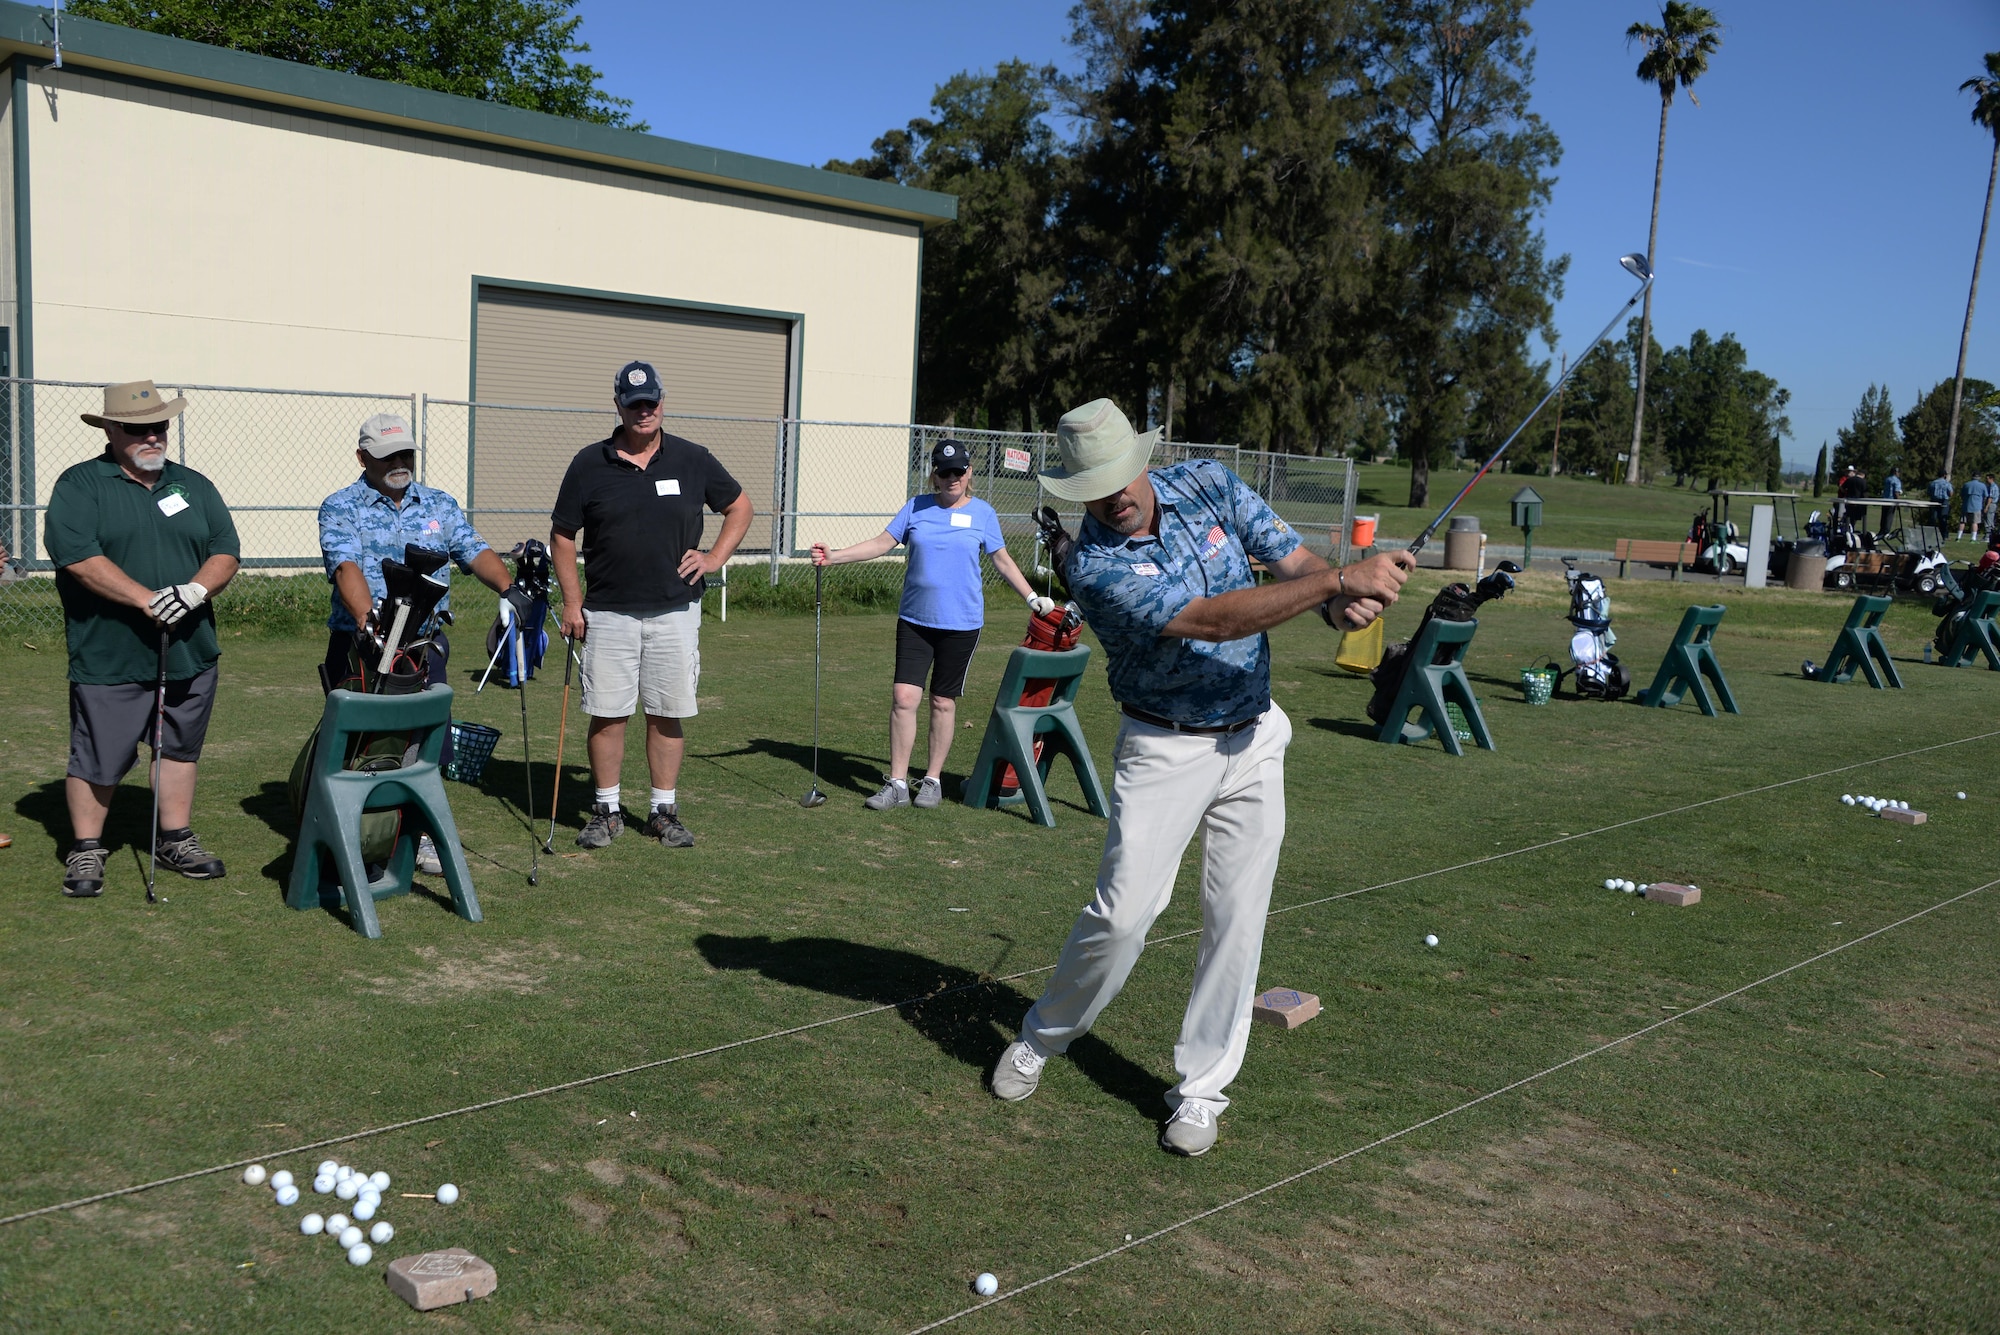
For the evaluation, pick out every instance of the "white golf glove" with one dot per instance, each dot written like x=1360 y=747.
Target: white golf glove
x=1040 y=606
x=176 y=601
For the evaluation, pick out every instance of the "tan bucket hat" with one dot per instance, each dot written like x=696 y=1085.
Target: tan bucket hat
x=131 y=404
x=1101 y=454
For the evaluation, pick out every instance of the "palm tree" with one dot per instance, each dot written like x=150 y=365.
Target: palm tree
x=1985 y=111
x=1677 y=53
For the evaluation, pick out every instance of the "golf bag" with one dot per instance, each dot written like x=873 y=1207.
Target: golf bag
x=1956 y=599
x=1454 y=602
x=527 y=600
x=1597 y=672
x=1054 y=631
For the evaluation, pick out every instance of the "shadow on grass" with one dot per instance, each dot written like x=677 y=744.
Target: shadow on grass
x=47 y=805
x=855 y=771
x=971 y=1017
x=1349 y=727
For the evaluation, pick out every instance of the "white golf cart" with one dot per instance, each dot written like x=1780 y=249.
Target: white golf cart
x=1876 y=543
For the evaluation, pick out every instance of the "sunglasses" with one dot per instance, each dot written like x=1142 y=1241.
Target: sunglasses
x=949 y=472
x=144 y=429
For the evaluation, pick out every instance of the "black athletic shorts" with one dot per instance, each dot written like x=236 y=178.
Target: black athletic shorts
x=108 y=725
x=944 y=656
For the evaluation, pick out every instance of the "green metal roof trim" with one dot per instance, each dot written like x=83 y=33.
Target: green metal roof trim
x=87 y=43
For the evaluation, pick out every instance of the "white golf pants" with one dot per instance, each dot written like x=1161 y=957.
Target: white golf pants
x=1166 y=786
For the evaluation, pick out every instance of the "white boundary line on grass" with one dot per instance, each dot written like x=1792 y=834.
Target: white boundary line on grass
x=505 y=1099
x=1380 y=1141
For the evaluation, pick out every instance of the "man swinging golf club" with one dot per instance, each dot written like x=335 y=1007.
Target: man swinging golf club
x=1161 y=569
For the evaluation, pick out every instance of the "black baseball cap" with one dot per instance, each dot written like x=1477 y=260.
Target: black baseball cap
x=950 y=456
x=637 y=382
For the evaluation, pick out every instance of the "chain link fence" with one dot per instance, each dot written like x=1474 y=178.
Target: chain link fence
x=275 y=454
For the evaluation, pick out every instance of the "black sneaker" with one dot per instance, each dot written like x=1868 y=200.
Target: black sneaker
x=181 y=851
x=666 y=827
x=606 y=823
x=83 y=870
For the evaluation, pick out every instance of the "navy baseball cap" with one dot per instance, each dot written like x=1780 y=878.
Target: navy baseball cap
x=950 y=456
x=637 y=382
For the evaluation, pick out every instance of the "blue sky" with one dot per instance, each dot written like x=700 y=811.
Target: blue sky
x=1822 y=203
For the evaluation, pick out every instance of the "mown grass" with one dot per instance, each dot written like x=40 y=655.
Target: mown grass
x=1817 y=1154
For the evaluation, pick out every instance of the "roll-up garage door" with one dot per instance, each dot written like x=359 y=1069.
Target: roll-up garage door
x=554 y=350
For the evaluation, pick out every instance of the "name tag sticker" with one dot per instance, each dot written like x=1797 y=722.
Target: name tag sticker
x=668 y=486
x=961 y=521
x=173 y=503
x=1145 y=568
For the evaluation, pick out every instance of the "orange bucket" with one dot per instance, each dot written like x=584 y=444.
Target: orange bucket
x=1362 y=531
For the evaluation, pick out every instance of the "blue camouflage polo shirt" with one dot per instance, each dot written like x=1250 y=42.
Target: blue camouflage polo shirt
x=360 y=524
x=1210 y=524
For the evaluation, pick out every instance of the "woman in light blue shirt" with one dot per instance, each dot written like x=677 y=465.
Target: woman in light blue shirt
x=943 y=611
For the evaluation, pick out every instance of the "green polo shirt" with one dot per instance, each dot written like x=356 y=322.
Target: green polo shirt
x=159 y=536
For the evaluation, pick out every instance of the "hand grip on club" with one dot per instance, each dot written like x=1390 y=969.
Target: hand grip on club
x=1634 y=264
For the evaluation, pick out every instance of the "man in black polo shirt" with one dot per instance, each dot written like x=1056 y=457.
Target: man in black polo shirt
x=140 y=544
x=638 y=498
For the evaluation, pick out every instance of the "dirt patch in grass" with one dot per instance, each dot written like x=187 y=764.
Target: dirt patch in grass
x=1567 y=1229
x=437 y=977
x=1959 y=1034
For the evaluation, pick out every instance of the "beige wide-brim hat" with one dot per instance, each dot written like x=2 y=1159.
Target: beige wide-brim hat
x=1101 y=454
x=133 y=404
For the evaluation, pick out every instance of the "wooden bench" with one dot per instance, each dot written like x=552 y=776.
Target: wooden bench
x=1675 y=554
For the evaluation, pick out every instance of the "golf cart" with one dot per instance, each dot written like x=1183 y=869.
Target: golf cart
x=1873 y=542
x=1721 y=548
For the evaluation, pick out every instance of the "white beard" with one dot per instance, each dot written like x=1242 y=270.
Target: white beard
x=398 y=480
x=150 y=465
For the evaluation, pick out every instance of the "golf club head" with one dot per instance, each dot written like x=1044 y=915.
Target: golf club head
x=814 y=798
x=1509 y=567
x=424 y=560
x=1636 y=265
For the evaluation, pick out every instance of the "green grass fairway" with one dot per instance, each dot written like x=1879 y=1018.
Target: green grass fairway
x=1817 y=1154
x=1580 y=513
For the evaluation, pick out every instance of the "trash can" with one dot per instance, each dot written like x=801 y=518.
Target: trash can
x=1461 y=543
x=1807 y=567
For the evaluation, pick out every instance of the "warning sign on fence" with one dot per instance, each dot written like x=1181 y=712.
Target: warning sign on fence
x=1017 y=461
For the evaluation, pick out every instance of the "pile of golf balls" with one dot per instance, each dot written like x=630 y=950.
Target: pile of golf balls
x=1878 y=805
x=1629 y=887
x=347 y=1183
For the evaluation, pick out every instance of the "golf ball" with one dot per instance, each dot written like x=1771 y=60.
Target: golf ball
x=360 y=1254
x=364 y=1209
x=342 y=1173
x=288 y=1195
x=381 y=1181
x=1644 y=888
x=1611 y=884
x=323 y=1183
x=1847 y=799
x=254 y=1175
x=1430 y=940
x=347 y=1188
x=446 y=1194
x=311 y=1224
x=381 y=1233
x=1631 y=889
x=336 y=1224
x=350 y=1236
x=986 y=1285
x=281 y=1178
x=327 y=1168
x=1961 y=797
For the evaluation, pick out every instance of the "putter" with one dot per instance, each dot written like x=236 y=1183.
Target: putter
x=562 y=735
x=814 y=797
x=159 y=739
x=1635 y=265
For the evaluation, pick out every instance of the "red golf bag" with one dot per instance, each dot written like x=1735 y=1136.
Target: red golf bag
x=1053 y=631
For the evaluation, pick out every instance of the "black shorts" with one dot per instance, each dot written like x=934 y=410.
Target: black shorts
x=108 y=725
x=944 y=656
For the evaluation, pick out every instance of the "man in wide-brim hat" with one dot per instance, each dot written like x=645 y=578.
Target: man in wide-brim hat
x=1161 y=569
x=140 y=544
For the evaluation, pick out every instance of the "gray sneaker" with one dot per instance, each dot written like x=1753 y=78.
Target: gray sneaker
x=83 y=870
x=1017 y=1072
x=428 y=861
x=1190 y=1131
x=929 y=794
x=606 y=823
x=666 y=827
x=893 y=794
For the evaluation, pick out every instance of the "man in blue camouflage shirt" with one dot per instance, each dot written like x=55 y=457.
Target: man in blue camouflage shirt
x=1161 y=569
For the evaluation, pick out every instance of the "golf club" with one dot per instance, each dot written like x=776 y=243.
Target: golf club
x=159 y=738
x=527 y=764
x=562 y=735
x=1635 y=265
x=814 y=797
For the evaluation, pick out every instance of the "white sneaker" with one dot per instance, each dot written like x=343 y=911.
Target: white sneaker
x=1017 y=1072
x=1190 y=1131
x=428 y=861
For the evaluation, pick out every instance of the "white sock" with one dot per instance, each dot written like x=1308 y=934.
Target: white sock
x=608 y=797
x=662 y=797
x=900 y=783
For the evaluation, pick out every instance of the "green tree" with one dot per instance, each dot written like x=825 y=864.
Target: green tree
x=1986 y=113
x=1677 y=53
x=1869 y=442
x=1720 y=420
x=1460 y=165
x=990 y=278
x=1927 y=430
x=515 y=52
x=1597 y=412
